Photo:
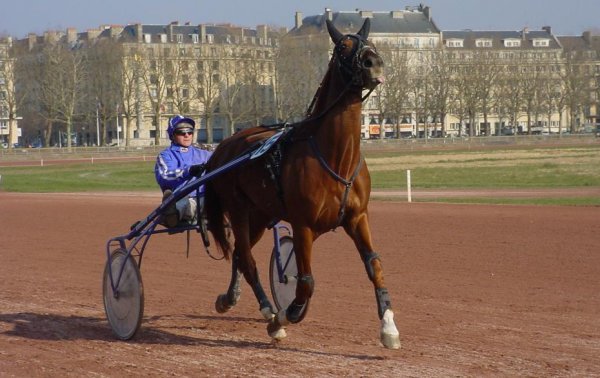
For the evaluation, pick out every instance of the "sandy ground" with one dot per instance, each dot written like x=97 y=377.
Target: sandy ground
x=478 y=291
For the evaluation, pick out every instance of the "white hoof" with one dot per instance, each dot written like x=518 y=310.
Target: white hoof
x=278 y=335
x=390 y=337
x=267 y=313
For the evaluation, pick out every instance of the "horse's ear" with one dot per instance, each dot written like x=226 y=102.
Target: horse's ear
x=335 y=35
x=364 y=31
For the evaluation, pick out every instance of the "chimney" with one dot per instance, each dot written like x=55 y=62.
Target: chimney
x=547 y=29
x=366 y=14
x=427 y=12
x=50 y=36
x=202 y=29
x=115 y=31
x=31 y=40
x=71 y=35
x=261 y=32
x=524 y=33
x=298 y=19
x=587 y=36
x=139 y=33
x=93 y=34
x=397 y=14
x=328 y=14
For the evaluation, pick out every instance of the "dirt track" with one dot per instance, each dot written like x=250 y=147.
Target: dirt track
x=477 y=290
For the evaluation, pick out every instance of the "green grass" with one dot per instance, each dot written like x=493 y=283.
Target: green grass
x=127 y=176
x=519 y=168
x=545 y=175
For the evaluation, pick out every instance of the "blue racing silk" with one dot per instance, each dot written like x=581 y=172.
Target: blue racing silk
x=173 y=165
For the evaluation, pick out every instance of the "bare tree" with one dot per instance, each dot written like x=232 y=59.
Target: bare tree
x=207 y=90
x=485 y=70
x=299 y=67
x=105 y=65
x=15 y=94
x=232 y=84
x=575 y=84
x=153 y=71
x=442 y=87
x=467 y=100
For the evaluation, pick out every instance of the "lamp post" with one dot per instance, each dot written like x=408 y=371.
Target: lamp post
x=97 y=126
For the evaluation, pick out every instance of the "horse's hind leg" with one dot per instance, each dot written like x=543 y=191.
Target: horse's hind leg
x=358 y=229
x=227 y=301
x=246 y=235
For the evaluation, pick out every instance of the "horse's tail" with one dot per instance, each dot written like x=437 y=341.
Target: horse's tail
x=216 y=220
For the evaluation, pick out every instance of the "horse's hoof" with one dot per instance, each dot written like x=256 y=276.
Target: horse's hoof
x=222 y=304
x=390 y=338
x=390 y=341
x=276 y=331
x=267 y=313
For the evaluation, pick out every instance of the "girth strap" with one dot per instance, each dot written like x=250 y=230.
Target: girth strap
x=347 y=182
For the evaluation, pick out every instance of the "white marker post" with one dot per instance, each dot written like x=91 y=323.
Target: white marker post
x=408 y=185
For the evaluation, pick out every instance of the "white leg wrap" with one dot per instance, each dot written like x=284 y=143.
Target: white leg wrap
x=390 y=337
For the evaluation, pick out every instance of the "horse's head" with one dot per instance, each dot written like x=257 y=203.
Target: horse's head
x=356 y=57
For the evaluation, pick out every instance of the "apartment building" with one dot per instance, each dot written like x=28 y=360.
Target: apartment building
x=10 y=132
x=444 y=83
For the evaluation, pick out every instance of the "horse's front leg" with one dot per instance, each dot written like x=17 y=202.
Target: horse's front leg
x=358 y=229
x=296 y=311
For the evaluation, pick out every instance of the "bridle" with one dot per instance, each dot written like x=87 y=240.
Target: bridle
x=351 y=67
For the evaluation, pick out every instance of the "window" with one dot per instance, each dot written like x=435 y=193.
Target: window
x=163 y=38
x=483 y=42
x=179 y=38
x=195 y=38
x=539 y=42
x=147 y=38
x=512 y=42
x=454 y=43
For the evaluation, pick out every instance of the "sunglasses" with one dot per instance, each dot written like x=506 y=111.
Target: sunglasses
x=184 y=133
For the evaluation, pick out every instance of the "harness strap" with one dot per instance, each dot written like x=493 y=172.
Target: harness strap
x=347 y=182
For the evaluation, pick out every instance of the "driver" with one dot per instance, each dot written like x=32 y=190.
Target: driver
x=175 y=165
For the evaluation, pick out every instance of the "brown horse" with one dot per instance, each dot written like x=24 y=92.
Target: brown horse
x=319 y=182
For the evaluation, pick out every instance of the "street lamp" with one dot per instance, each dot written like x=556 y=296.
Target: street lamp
x=97 y=125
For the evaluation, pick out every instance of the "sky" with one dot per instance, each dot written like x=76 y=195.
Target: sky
x=20 y=17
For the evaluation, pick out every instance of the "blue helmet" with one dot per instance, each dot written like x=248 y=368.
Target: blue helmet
x=177 y=122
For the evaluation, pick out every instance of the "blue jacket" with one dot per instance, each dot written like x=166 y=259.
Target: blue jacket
x=173 y=165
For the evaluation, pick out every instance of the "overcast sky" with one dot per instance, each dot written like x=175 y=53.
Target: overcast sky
x=20 y=17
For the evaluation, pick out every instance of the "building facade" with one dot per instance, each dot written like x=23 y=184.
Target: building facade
x=438 y=83
x=10 y=132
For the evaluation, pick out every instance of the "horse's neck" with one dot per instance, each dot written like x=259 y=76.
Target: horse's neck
x=338 y=133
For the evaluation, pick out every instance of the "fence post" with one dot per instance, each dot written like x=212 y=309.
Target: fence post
x=408 y=186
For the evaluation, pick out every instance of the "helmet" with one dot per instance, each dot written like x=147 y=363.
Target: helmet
x=177 y=122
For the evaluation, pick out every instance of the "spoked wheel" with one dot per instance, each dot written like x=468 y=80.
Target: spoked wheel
x=284 y=289
x=125 y=306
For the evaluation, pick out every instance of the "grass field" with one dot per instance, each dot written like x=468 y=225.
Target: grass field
x=553 y=167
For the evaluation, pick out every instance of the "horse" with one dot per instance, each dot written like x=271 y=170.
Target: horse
x=318 y=182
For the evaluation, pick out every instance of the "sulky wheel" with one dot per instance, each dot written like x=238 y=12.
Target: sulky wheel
x=125 y=306
x=284 y=289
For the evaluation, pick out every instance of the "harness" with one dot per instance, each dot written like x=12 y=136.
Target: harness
x=351 y=67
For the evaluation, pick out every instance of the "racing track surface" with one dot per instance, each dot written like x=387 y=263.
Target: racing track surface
x=477 y=290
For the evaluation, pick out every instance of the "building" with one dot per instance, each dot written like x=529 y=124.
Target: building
x=10 y=132
x=409 y=35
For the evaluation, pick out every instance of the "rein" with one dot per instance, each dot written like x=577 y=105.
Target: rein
x=353 y=69
x=347 y=182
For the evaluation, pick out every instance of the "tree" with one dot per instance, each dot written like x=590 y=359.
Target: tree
x=105 y=65
x=442 y=87
x=575 y=84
